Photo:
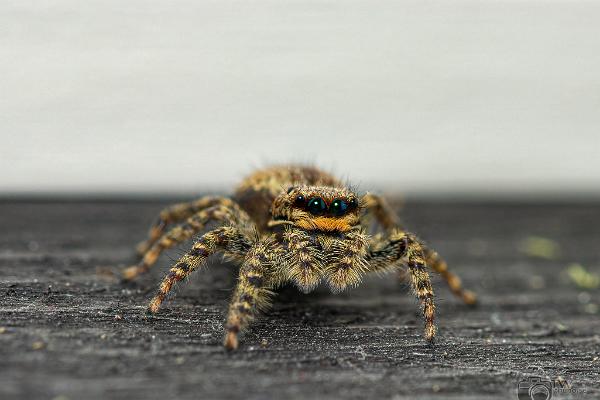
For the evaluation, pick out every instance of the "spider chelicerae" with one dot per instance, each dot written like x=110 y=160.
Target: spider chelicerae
x=292 y=224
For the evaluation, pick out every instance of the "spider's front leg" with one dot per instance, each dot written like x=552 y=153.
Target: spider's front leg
x=228 y=240
x=388 y=252
x=232 y=215
x=377 y=206
x=253 y=291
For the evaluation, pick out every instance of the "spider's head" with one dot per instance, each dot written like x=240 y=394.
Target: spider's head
x=318 y=208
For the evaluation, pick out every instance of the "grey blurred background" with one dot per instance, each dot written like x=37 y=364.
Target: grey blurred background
x=497 y=98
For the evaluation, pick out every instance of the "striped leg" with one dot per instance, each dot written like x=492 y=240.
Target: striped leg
x=252 y=293
x=304 y=264
x=401 y=245
x=228 y=240
x=439 y=265
x=377 y=206
x=348 y=265
x=177 y=213
x=183 y=232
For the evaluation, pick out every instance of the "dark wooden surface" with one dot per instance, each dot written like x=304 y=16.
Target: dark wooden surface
x=71 y=330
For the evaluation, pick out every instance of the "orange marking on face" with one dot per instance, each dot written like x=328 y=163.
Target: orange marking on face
x=326 y=224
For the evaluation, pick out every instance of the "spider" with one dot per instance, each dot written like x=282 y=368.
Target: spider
x=292 y=224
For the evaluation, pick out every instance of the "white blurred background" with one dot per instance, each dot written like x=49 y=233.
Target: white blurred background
x=495 y=98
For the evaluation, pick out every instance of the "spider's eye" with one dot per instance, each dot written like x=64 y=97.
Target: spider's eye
x=316 y=206
x=338 y=207
x=290 y=189
x=299 y=201
x=352 y=204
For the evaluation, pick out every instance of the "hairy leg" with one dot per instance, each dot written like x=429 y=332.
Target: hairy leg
x=177 y=213
x=400 y=245
x=346 y=261
x=252 y=293
x=304 y=264
x=376 y=206
x=228 y=240
x=439 y=265
x=388 y=219
x=183 y=232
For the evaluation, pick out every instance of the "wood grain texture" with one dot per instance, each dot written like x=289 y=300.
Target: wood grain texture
x=69 y=328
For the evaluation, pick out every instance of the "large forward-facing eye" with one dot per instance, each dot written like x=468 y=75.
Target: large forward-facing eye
x=316 y=206
x=338 y=207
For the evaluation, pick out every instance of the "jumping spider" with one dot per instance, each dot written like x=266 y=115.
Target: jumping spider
x=292 y=224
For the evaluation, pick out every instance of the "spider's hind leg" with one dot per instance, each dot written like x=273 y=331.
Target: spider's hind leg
x=177 y=213
x=439 y=265
x=230 y=215
x=377 y=207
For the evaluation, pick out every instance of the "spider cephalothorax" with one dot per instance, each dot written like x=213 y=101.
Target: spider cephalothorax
x=292 y=224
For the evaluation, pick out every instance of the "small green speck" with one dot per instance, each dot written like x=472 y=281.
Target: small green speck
x=540 y=247
x=582 y=278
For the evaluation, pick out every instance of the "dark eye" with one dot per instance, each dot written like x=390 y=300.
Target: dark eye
x=338 y=207
x=316 y=206
x=299 y=201
x=352 y=204
x=290 y=189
